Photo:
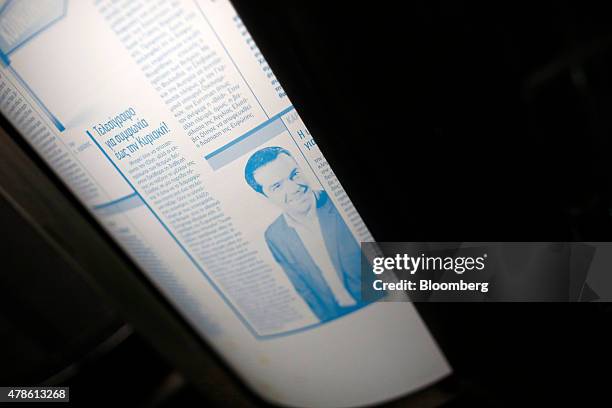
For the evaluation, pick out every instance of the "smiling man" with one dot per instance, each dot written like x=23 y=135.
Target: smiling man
x=310 y=240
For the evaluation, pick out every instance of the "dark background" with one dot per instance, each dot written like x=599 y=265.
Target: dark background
x=448 y=121
x=452 y=120
x=467 y=121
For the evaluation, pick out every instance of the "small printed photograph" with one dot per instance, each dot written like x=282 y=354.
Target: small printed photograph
x=302 y=230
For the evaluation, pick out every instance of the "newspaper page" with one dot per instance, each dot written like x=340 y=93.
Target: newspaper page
x=165 y=120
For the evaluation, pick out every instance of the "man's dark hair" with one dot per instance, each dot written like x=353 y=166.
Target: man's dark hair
x=259 y=159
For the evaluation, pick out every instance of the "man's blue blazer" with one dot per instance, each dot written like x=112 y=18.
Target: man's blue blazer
x=289 y=251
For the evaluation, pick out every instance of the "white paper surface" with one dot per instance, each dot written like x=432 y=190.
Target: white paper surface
x=150 y=112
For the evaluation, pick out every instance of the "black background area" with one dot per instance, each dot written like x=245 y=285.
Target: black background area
x=467 y=121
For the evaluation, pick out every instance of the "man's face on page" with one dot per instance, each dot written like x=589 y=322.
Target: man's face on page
x=284 y=184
